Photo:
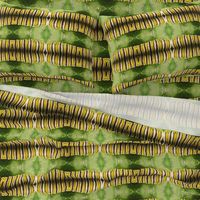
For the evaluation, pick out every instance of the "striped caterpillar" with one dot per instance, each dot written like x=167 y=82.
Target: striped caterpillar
x=6 y=77
x=48 y=114
x=32 y=51
x=102 y=70
x=185 y=76
x=156 y=52
x=57 y=181
x=119 y=26
x=58 y=20
x=53 y=149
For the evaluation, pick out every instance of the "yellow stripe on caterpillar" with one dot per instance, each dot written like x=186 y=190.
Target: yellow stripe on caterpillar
x=6 y=77
x=118 y=26
x=68 y=21
x=51 y=114
x=185 y=76
x=46 y=148
x=156 y=52
x=33 y=51
x=53 y=149
x=102 y=70
x=57 y=181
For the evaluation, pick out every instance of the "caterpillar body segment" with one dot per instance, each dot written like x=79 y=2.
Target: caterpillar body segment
x=52 y=149
x=102 y=70
x=65 y=115
x=185 y=76
x=184 y=79
x=153 y=52
x=186 y=46
x=57 y=181
x=186 y=175
x=62 y=54
x=20 y=185
x=72 y=115
x=46 y=148
x=146 y=149
x=23 y=17
x=29 y=51
x=182 y=14
x=6 y=77
x=13 y=118
x=68 y=21
x=119 y=26
x=77 y=22
x=90 y=181
x=156 y=52
x=32 y=51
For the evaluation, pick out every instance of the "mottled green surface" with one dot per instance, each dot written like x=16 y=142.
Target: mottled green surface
x=165 y=31
x=47 y=34
x=96 y=7
x=99 y=9
x=102 y=162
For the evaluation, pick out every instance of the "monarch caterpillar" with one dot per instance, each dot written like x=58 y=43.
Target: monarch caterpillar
x=52 y=149
x=186 y=46
x=20 y=185
x=11 y=118
x=32 y=51
x=77 y=22
x=119 y=26
x=57 y=181
x=14 y=118
x=39 y=105
x=58 y=20
x=44 y=147
x=51 y=114
x=145 y=149
x=101 y=68
x=185 y=76
x=6 y=77
x=155 y=52
x=92 y=180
